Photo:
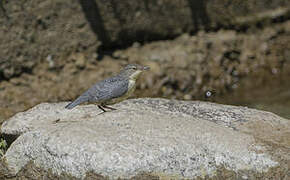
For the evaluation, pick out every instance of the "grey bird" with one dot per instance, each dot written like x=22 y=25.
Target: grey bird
x=111 y=90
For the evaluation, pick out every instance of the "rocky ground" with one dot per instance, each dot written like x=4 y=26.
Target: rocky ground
x=183 y=68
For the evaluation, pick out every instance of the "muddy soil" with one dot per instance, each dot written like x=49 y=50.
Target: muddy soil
x=184 y=68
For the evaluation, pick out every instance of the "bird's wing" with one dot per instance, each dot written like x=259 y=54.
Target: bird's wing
x=108 y=89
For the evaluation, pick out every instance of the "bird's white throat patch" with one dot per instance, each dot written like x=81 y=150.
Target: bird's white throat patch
x=135 y=75
x=132 y=82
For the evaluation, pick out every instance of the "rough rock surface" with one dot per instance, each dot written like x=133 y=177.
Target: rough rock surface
x=36 y=30
x=158 y=136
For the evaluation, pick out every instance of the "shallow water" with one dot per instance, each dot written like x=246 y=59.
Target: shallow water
x=272 y=94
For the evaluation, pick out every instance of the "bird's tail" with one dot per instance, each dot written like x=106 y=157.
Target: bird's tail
x=76 y=102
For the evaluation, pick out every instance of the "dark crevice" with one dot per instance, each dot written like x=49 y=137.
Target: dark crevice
x=126 y=39
x=8 y=138
x=199 y=15
x=93 y=16
x=3 y=9
x=2 y=77
x=26 y=70
x=18 y=74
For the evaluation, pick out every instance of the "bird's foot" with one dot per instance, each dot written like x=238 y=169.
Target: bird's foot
x=108 y=107
x=104 y=106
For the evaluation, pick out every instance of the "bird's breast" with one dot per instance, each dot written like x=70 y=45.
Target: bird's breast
x=131 y=89
x=131 y=86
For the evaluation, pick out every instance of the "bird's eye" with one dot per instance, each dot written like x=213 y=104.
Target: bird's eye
x=134 y=68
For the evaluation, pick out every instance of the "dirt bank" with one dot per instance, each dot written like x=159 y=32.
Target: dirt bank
x=183 y=68
x=33 y=31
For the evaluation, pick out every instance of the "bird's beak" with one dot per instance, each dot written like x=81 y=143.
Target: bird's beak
x=145 y=68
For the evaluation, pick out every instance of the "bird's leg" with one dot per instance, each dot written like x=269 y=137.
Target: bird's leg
x=101 y=107
x=108 y=107
x=104 y=106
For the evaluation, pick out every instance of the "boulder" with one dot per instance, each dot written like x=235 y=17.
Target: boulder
x=180 y=139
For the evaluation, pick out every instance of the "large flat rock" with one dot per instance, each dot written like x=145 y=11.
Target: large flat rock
x=181 y=139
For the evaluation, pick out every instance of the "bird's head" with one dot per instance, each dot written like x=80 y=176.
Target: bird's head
x=133 y=71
